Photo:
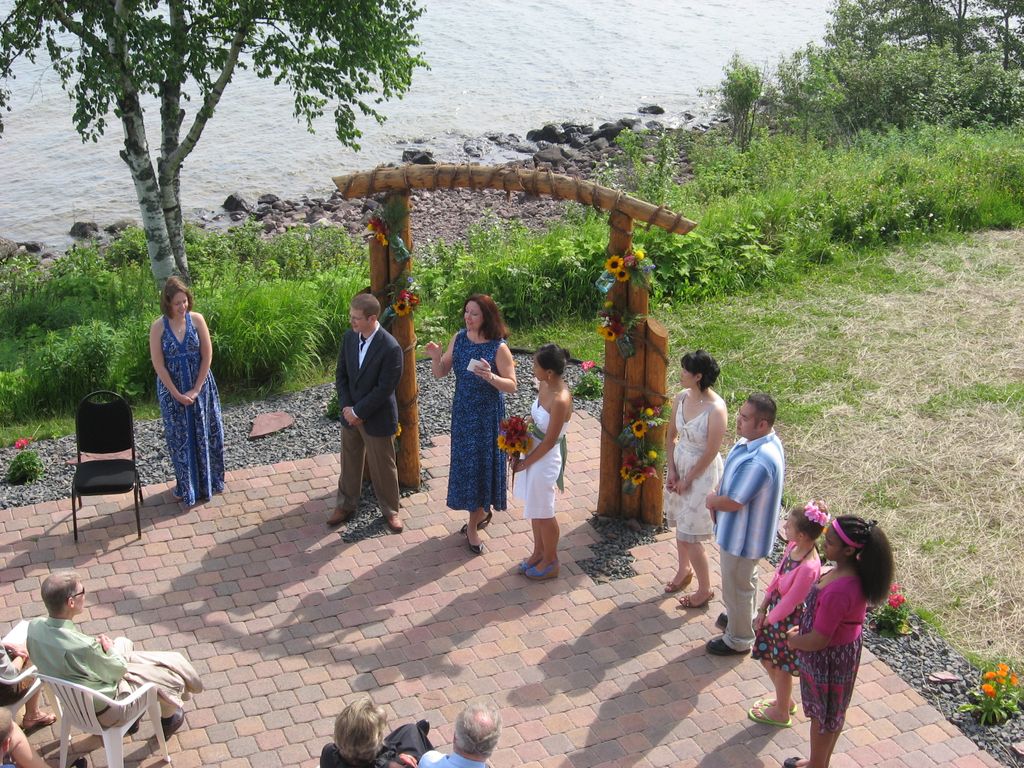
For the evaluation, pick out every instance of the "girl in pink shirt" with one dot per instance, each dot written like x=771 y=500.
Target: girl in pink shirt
x=828 y=640
x=781 y=609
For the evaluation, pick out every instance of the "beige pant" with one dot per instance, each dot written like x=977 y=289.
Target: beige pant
x=379 y=454
x=739 y=593
x=174 y=676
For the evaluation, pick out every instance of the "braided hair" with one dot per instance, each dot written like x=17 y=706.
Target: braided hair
x=872 y=560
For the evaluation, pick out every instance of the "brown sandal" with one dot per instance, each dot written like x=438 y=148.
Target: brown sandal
x=680 y=586
x=686 y=601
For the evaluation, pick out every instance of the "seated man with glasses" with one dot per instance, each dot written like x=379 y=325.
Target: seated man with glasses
x=111 y=667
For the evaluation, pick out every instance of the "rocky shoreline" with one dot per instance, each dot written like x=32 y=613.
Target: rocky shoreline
x=574 y=149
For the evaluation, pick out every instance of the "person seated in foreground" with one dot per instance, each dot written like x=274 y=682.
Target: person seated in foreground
x=477 y=729
x=111 y=667
x=13 y=659
x=15 y=749
x=360 y=741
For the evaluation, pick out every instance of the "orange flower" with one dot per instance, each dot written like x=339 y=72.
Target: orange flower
x=1013 y=679
x=1003 y=669
x=988 y=690
x=990 y=675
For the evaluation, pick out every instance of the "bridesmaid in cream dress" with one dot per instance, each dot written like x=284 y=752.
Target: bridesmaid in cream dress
x=694 y=442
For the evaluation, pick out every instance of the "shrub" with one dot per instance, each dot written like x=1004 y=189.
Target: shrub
x=131 y=370
x=263 y=333
x=893 y=618
x=25 y=467
x=68 y=366
x=740 y=93
x=590 y=386
x=333 y=411
x=12 y=389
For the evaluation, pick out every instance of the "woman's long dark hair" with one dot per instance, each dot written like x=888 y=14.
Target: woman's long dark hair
x=873 y=560
x=493 y=326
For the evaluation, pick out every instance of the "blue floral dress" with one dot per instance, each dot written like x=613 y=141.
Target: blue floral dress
x=476 y=474
x=195 y=434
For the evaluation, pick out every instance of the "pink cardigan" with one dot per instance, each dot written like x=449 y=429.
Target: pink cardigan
x=793 y=586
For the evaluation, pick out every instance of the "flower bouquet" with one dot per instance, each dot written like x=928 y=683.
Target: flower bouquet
x=514 y=436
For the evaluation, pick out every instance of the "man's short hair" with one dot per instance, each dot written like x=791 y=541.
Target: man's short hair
x=6 y=724
x=366 y=303
x=764 y=405
x=58 y=588
x=477 y=729
x=359 y=731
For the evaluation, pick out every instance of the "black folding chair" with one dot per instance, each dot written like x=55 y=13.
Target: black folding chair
x=104 y=425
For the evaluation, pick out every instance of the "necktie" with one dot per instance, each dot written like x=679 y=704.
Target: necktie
x=362 y=343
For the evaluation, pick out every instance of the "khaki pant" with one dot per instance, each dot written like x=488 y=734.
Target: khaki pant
x=739 y=593
x=174 y=676
x=379 y=454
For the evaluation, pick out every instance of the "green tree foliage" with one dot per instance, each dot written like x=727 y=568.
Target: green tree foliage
x=122 y=58
x=740 y=95
x=902 y=63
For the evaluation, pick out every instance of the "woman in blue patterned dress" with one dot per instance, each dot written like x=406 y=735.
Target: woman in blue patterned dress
x=484 y=372
x=179 y=346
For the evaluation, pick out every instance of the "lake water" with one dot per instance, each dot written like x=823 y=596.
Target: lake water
x=495 y=66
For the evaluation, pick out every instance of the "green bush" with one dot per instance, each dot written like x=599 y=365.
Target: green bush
x=532 y=277
x=68 y=366
x=263 y=333
x=25 y=467
x=131 y=370
x=12 y=396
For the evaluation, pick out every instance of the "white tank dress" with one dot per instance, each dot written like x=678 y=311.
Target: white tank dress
x=535 y=485
x=687 y=510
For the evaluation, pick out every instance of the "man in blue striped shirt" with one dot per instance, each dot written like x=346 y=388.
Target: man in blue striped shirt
x=745 y=509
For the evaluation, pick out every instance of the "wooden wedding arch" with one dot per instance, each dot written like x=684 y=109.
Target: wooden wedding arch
x=642 y=375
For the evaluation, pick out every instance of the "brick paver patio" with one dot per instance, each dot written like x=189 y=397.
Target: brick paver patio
x=287 y=623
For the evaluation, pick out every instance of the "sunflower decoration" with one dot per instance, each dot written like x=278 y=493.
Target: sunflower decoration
x=639 y=419
x=615 y=326
x=405 y=302
x=634 y=264
x=639 y=467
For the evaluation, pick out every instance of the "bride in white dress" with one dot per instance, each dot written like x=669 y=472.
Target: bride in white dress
x=694 y=442
x=540 y=470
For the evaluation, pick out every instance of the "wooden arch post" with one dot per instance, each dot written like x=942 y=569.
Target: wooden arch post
x=643 y=374
x=385 y=272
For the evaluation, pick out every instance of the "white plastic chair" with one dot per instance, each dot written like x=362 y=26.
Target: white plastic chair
x=77 y=707
x=17 y=637
x=27 y=672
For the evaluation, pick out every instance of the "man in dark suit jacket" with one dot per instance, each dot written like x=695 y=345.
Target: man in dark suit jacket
x=369 y=368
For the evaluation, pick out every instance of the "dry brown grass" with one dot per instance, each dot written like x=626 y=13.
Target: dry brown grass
x=947 y=482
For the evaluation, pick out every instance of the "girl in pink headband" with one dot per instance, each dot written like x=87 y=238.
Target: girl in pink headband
x=828 y=640
x=781 y=609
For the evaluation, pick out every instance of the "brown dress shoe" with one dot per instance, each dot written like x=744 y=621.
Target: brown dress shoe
x=340 y=516
x=393 y=523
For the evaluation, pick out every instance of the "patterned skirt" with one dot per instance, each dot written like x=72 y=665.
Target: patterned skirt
x=827 y=676
x=770 y=641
